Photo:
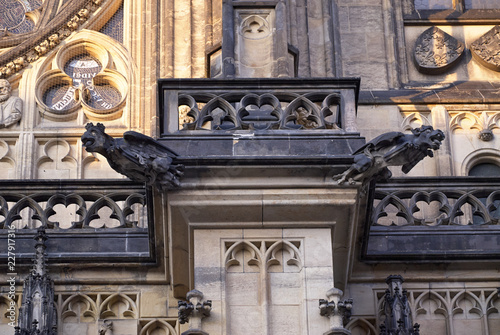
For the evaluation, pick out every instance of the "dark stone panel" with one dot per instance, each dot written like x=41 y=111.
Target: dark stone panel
x=433 y=243
x=265 y=145
x=261 y=147
x=92 y=246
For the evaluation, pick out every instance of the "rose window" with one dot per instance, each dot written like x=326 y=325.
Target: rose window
x=17 y=16
x=83 y=78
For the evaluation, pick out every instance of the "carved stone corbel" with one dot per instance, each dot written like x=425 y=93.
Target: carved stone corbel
x=193 y=311
x=338 y=311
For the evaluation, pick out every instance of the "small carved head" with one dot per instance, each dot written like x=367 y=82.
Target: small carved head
x=427 y=137
x=5 y=89
x=95 y=139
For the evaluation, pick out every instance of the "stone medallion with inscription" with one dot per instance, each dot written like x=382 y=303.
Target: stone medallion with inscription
x=486 y=49
x=436 y=51
x=82 y=69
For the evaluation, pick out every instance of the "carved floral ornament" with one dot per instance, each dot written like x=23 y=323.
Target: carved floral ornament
x=82 y=76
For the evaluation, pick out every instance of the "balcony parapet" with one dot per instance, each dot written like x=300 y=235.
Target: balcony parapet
x=434 y=219
x=85 y=219
x=259 y=118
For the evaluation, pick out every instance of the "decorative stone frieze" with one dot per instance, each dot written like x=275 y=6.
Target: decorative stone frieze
x=193 y=311
x=338 y=311
x=483 y=121
x=485 y=49
x=436 y=51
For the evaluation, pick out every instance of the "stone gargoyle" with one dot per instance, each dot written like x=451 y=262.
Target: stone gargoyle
x=136 y=156
x=391 y=149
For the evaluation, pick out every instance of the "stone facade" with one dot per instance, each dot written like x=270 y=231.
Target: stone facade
x=250 y=97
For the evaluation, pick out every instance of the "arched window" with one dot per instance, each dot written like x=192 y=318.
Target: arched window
x=485 y=169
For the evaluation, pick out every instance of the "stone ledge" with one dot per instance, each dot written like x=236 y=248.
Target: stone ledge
x=422 y=94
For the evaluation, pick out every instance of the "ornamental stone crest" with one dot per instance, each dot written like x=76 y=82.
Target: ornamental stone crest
x=486 y=49
x=436 y=51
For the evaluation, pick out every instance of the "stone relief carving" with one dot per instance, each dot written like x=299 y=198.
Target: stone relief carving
x=391 y=149
x=11 y=108
x=136 y=156
x=119 y=306
x=484 y=122
x=57 y=159
x=436 y=51
x=485 y=49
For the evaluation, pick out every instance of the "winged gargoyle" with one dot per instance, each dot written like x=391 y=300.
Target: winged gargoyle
x=391 y=149
x=136 y=156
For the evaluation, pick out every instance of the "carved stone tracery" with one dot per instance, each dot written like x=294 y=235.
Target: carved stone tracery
x=82 y=75
x=259 y=112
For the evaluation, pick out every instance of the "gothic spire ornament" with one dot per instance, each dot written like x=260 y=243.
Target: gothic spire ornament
x=38 y=315
x=398 y=318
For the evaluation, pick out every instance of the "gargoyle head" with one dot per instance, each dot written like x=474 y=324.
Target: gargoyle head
x=95 y=140
x=427 y=137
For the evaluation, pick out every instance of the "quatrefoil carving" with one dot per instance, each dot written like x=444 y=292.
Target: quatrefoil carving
x=82 y=78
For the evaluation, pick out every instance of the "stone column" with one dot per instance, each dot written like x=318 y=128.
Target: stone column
x=338 y=311
x=443 y=156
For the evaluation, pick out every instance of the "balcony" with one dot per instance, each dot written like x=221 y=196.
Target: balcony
x=85 y=220
x=429 y=219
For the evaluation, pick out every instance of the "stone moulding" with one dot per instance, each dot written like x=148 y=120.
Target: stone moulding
x=429 y=219
x=436 y=51
x=485 y=49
